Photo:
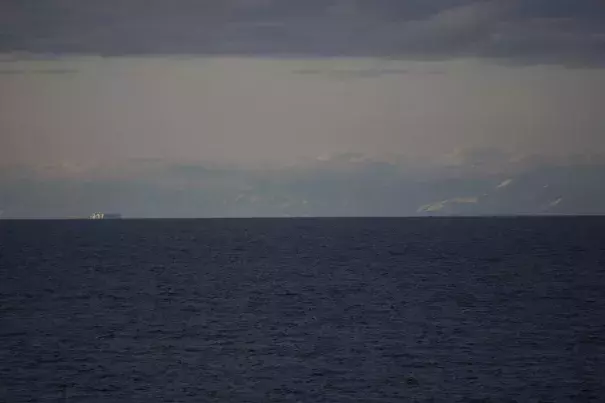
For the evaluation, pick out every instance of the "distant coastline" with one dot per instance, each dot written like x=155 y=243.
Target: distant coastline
x=314 y=218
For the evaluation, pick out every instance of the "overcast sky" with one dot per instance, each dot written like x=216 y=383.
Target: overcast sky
x=275 y=80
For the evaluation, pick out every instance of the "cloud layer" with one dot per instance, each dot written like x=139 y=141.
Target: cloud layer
x=553 y=31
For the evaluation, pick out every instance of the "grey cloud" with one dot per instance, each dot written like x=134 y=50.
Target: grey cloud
x=505 y=30
x=563 y=31
x=562 y=41
x=57 y=71
x=349 y=73
x=454 y=28
x=12 y=72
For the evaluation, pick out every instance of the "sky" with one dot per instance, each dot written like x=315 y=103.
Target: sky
x=252 y=82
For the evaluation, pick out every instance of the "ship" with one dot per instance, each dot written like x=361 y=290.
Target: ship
x=105 y=216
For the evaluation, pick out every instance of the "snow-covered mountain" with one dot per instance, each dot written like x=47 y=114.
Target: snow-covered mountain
x=338 y=185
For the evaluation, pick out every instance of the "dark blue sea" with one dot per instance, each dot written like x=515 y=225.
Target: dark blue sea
x=303 y=310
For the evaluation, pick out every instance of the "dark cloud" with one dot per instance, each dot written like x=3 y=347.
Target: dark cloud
x=558 y=31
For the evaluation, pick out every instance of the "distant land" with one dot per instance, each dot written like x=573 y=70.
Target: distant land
x=340 y=185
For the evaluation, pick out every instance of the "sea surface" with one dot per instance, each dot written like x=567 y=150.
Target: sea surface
x=303 y=310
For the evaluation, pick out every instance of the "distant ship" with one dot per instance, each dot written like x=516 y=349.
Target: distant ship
x=105 y=216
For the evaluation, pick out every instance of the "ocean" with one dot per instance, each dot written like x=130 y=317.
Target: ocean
x=303 y=310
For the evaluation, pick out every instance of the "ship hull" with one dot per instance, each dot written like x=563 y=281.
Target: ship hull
x=105 y=216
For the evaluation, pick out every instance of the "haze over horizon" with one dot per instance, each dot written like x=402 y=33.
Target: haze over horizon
x=94 y=96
